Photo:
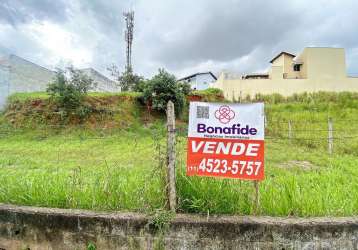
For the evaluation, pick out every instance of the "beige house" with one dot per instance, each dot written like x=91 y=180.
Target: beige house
x=314 y=69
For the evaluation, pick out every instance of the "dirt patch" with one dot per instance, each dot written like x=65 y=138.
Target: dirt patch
x=303 y=165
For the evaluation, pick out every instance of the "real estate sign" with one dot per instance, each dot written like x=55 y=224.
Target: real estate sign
x=226 y=140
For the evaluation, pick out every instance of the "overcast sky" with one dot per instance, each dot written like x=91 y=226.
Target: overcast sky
x=183 y=36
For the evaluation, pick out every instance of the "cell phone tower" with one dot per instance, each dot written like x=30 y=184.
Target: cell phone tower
x=128 y=37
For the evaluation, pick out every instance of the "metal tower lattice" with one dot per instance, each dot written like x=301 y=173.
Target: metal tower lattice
x=128 y=37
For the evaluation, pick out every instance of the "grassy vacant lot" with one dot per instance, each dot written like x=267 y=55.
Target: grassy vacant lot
x=122 y=168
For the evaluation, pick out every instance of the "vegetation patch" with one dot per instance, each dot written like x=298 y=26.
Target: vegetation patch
x=122 y=168
x=99 y=109
x=207 y=95
x=300 y=165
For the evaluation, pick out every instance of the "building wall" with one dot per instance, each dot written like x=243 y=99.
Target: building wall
x=286 y=62
x=288 y=68
x=4 y=84
x=276 y=72
x=237 y=88
x=325 y=63
x=28 y=77
x=19 y=75
x=103 y=84
x=323 y=69
x=304 y=67
x=203 y=81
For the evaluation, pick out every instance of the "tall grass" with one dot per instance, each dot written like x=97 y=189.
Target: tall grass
x=124 y=169
x=76 y=169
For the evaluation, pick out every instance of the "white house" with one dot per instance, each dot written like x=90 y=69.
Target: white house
x=199 y=81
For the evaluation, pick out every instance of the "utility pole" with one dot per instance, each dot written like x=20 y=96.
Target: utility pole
x=128 y=37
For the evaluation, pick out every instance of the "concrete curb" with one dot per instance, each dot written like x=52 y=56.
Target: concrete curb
x=51 y=228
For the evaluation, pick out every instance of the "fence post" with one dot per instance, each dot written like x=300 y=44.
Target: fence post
x=265 y=120
x=289 y=130
x=171 y=191
x=330 y=135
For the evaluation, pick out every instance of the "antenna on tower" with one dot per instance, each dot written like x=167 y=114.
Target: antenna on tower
x=128 y=37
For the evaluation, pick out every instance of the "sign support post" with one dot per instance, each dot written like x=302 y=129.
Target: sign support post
x=257 y=197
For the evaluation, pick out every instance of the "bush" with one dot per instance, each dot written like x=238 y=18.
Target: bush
x=210 y=95
x=209 y=91
x=69 y=92
x=162 y=88
x=184 y=87
x=129 y=81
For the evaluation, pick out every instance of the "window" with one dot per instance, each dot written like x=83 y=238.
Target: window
x=297 y=67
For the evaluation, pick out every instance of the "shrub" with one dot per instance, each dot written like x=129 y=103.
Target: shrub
x=185 y=87
x=162 y=88
x=210 y=95
x=69 y=92
x=127 y=80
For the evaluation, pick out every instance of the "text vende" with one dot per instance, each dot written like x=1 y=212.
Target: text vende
x=226 y=148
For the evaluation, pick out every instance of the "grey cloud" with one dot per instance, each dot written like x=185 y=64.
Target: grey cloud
x=185 y=36
x=108 y=15
x=230 y=30
x=17 y=11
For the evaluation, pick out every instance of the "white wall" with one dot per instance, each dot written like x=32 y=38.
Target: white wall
x=28 y=77
x=103 y=84
x=201 y=81
x=4 y=84
x=19 y=75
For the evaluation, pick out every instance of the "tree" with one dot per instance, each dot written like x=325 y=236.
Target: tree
x=162 y=88
x=127 y=80
x=69 y=92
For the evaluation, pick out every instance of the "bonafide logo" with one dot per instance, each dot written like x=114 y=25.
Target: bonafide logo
x=235 y=129
x=224 y=114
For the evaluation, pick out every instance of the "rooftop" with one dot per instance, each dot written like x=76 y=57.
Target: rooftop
x=282 y=53
x=200 y=73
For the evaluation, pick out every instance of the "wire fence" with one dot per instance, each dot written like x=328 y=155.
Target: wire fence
x=105 y=126
x=113 y=164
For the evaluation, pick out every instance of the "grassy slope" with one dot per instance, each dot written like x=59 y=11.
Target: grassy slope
x=123 y=169
x=44 y=95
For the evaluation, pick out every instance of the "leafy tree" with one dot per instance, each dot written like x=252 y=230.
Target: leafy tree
x=127 y=80
x=69 y=88
x=185 y=87
x=162 y=88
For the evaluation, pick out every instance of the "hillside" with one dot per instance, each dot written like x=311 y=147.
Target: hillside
x=116 y=161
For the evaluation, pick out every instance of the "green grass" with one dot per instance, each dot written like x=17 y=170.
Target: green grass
x=27 y=96
x=329 y=188
x=43 y=95
x=124 y=169
x=77 y=169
